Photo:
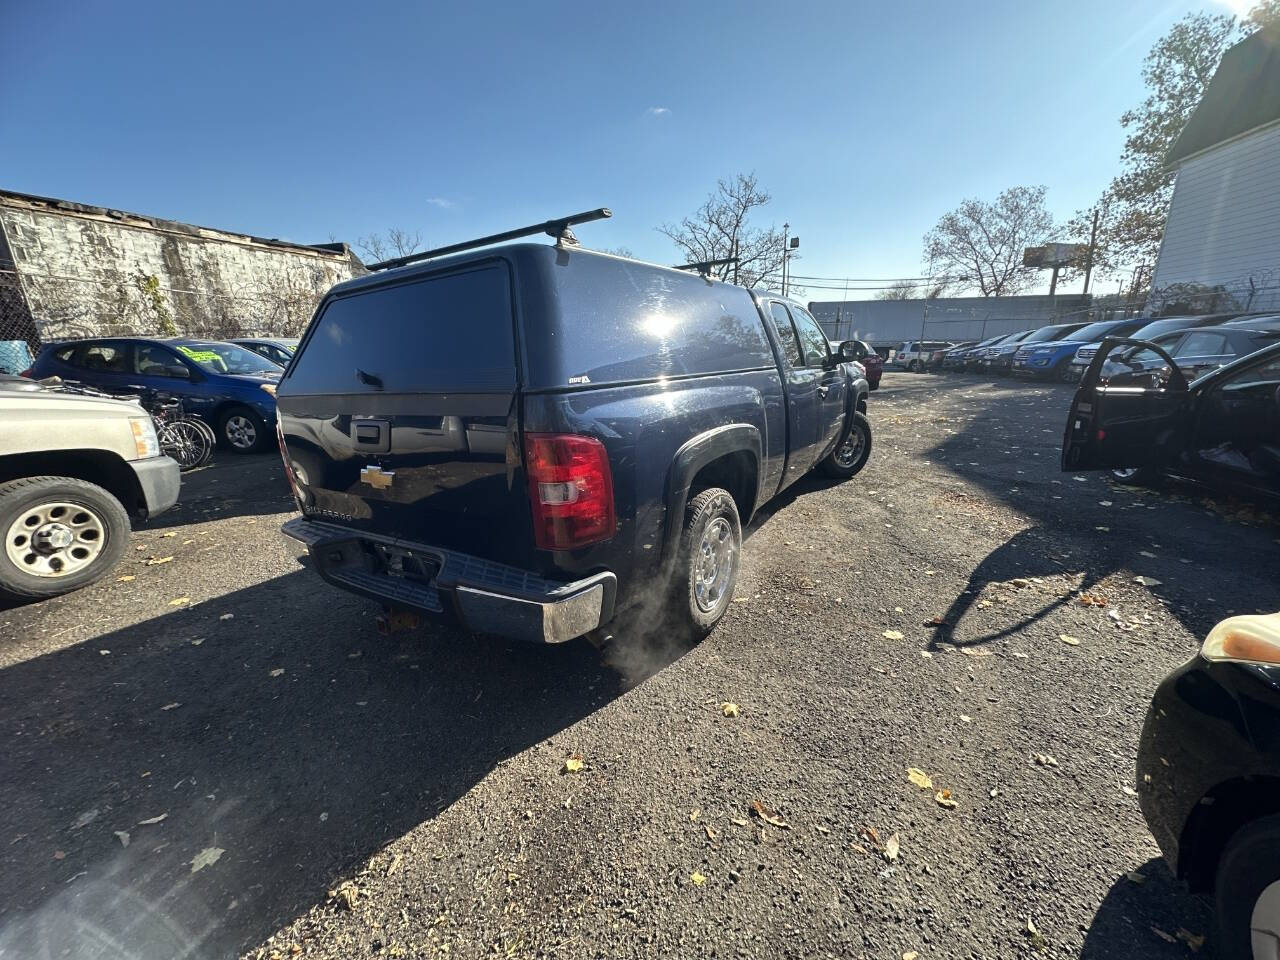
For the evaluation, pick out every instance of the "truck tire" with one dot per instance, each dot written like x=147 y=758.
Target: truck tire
x=60 y=534
x=707 y=564
x=242 y=430
x=852 y=452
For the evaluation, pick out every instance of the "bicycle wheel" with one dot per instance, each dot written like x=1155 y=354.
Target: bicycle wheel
x=210 y=438
x=185 y=443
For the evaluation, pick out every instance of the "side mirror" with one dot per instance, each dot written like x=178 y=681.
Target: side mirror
x=177 y=370
x=850 y=350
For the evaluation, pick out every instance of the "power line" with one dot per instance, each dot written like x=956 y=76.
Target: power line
x=798 y=276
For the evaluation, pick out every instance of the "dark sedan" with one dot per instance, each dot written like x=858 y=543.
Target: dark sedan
x=1196 y=352
x=1223 y=429
x=1209 y=779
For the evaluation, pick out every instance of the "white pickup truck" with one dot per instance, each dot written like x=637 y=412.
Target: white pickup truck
x=73 y=469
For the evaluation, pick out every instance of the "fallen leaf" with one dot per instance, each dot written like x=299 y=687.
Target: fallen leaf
x=1134 y=877
x=197 y=641
x=347 y=894
x=697 y=878
x=925 y=654
x=1069 y=640
x=965 y=718
x=1103 y=529
x=152 y=821
x=122 y=836
x=1129 y=791
x=919 y=778
x=910 y=955
x=1147 y=581
x=821 y=829
x=156 y=561
x=1044 y=759
x=1093 y=600
x=975 y=651
x=226 y=616
x=59 y=854
x=869 y=834
x=179 y=601
x=711 y=834
x=1147 y=553
x=1192 y=940
x=85 y=819
x=729 y=709
x=993 y=792
x=943 y=798
x=769 y=816
x=171 y=706
x=278 y=672
x=858 y=848
x=935 y=622
x=206 y=858
x=894 y=635
x=1104 y=503
x=104 y=653
x=694 y=814
x=573 y=764
x=1168 y=937
x=891 y=848
x=126 y=578
x=984 y=603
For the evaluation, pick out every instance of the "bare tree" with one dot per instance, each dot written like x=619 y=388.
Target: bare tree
x=900 y=290
x=396 y=242
x=709 y=234
x=980 y=244
x=619 y=252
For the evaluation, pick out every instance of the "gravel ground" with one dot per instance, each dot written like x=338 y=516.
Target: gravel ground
x=327 y=792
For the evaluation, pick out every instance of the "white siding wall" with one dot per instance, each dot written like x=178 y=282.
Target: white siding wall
x=1224 y=220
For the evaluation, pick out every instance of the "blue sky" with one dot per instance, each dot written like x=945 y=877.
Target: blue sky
x=865 y=122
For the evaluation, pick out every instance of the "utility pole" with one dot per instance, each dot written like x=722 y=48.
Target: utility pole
x=1088 y=261
x=785 y=228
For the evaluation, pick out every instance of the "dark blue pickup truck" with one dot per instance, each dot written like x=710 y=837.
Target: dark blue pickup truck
x=538 y=437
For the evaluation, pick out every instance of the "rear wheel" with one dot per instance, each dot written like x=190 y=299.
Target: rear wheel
x=242 y=430
x=60 y=533
x=914 y=366
x=1247 y=892
x=707 y=565
x=852 y=452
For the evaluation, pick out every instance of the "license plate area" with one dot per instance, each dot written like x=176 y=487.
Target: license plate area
x=419 y=568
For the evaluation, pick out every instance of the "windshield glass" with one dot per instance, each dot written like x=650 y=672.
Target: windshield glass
x=214 y=357
x=1158 y=327
x=1095 y=331
x=1043 y=334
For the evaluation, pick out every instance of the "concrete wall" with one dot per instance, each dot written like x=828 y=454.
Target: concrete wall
x=85 y=271
x=1224 y=225
x=886 y=323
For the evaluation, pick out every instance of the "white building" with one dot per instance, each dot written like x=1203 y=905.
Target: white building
x=1221 y=246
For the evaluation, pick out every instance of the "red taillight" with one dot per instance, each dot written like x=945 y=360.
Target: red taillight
x=570 y=490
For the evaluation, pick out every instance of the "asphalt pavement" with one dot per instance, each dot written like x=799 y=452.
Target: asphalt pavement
x=213 y=753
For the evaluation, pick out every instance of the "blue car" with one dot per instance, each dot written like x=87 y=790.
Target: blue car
x=1048 y=353
x=230 y=388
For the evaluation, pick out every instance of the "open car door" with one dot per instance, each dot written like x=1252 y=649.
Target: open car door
x=1130 y=425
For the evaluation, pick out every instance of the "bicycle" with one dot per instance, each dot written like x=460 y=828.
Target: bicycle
x=188 y=440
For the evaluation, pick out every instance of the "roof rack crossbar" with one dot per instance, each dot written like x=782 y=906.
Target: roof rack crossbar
x=704 y=266
x=558 y=228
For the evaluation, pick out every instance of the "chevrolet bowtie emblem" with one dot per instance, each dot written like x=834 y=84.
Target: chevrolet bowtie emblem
x=376 y=477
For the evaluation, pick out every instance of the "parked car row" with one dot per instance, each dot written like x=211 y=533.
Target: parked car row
x=1196 y=345
x=228 y=385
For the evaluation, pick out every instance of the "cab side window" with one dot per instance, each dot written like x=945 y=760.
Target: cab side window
x=812 y=339
x=1201 y=345
x=786 y=334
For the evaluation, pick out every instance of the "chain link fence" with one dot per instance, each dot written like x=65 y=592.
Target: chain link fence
x=38 y=308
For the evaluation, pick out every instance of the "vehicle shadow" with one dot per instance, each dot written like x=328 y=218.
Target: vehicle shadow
x=1185 y=547
x=187 y=785
x=1131 y=913
x=232 y=485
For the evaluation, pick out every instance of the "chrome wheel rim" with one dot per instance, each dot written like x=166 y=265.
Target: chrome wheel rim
x=55 y=539
x=714 y=564
x=1264 y=924
x=240 y=431
x=850 y=448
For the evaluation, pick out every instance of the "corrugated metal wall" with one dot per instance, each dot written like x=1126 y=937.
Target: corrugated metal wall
x=886 y=323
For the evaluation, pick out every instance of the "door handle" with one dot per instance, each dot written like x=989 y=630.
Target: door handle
x=822 y=390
